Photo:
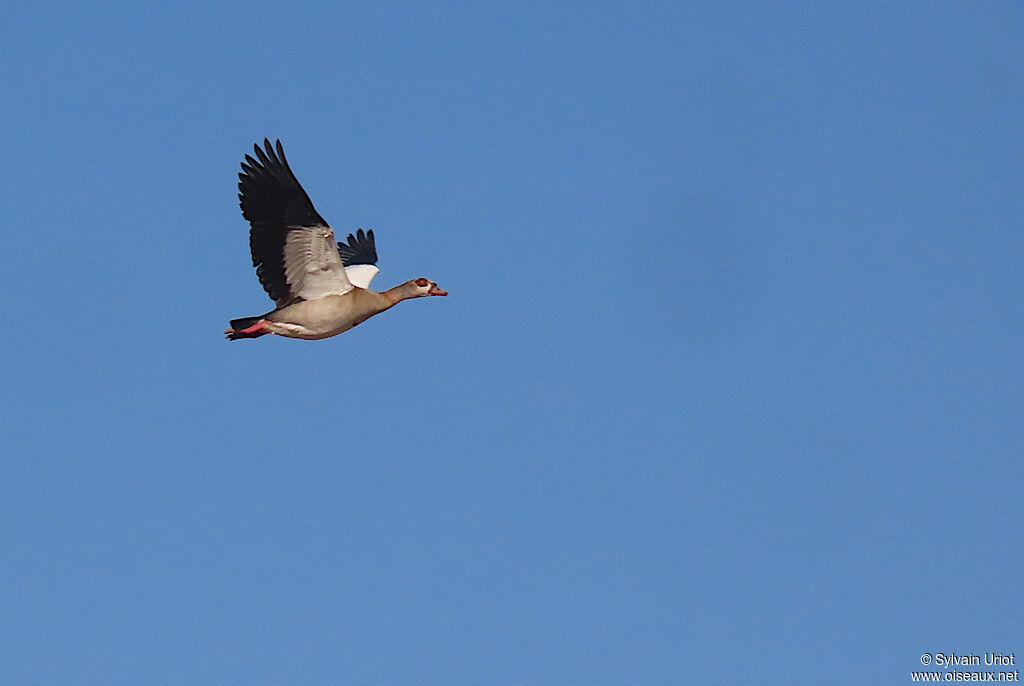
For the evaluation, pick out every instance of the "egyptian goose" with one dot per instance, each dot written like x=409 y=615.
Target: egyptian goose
x=320 y=288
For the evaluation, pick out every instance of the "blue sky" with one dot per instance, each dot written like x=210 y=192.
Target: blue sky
x=728 y=386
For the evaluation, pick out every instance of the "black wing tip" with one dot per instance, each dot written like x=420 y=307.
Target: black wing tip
x=270 y=155
x=361 y=237
x=277 y=147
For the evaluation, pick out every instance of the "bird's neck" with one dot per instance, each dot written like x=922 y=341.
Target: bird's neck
x=401 y=292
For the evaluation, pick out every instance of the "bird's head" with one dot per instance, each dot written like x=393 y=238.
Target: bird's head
x=421 y=287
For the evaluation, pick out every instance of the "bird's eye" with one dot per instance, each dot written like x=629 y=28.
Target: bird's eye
x=421 y=282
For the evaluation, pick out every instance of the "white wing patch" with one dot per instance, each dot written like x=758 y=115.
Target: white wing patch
x=312 y=265
x=360 y=275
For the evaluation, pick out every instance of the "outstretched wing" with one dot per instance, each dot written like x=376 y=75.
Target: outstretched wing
x=292 y=246
x=359 y=256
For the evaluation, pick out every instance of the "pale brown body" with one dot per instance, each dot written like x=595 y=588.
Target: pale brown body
x=333 y=314
x=328 y=316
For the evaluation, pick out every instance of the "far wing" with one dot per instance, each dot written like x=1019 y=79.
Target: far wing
x=359 y=256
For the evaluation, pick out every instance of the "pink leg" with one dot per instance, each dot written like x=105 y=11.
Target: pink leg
x=258 y=326
x=255 y=331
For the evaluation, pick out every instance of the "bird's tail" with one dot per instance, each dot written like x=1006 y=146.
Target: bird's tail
x=246 y=327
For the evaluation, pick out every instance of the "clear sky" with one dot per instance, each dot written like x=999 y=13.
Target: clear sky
x=728 y=388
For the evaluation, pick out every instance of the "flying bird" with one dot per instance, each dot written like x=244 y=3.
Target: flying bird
x=320 y=288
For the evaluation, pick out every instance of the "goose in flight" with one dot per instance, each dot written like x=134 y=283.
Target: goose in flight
x=320 y=288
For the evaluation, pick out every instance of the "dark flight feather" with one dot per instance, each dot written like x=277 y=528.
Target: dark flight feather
x=274 y=203
x=360 y=249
